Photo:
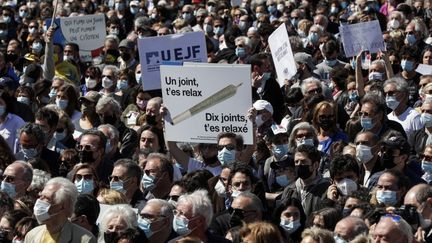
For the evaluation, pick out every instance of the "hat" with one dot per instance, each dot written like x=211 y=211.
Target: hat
x=303 y=57
x=127 y=43
x=31 y=57
x=8 y=82
x=397 y=142
x=92 y=96
x=287 y=162
x=134 y=3
x=260 y=105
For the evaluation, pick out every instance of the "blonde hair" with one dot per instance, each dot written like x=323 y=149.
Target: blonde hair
x=112 y=197
x=261 y=232
x=319 y=235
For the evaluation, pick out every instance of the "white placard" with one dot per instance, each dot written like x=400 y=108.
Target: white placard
x=153 y=51
x=365 y=36
x=205 y=100
x=424 y=69
x=282 y=54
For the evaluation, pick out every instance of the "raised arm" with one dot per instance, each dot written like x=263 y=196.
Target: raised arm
x=359 y=75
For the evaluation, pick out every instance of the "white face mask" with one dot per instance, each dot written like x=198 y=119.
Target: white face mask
x=347 y=186
x=220 y=189
x=107 y=83
x=363 y=153
x=40 y=211
x=90 y=83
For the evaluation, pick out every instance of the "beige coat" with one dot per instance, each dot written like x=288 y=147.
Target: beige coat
x=70 y=233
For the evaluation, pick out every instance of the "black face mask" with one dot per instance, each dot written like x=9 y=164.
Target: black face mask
x=125 y=56
x=3 y=237
x=151 y=120
x=111 y=237
x=11 y=57
x=236 y=218
x=108 y=120
x=325 y=123
x=86 y=156
x=303 y=171
x=396 y=68
x=63 y=170
x=387 y=161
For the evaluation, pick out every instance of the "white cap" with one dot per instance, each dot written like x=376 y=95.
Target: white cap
x=263 y=104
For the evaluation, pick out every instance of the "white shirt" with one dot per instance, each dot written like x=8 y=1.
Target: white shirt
x=409 y=119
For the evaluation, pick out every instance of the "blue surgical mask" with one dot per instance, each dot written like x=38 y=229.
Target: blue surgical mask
x=218 y=31
x=23 y=14
x=7 y=19
x=366 y=123
x=145 y=226
x=386 y=197
x=84 y=186
x=290 y=226
x=272 y=9
x=187 y=16
x=181 y=225
x=30 y=153
x=59 y=136
x=9 y=188
x=407 y=65
x=23 y=100
x=62 y=104
x=138 y=77
x=240 y=52
x=2 y=110
x=122 y=85
x=411 y=39
x=118 y=186
x=294 y=22
x=226 y=156
x=282 y=180
x=426 y=166
x=307 y=141
x=330 y=62
x=280 y=151
x=119 y=6
x=148 y=182
x=392 y=102
x=426 y=119
x=313 y=37
x=354 y=96
x=134 y=10
x=52 y=93
x=266 y=76
x=37 y=47
x=339 y=239
x=375 y=76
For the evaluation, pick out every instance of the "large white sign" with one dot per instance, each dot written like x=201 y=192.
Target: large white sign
x=365 y=36
x=87 y=31
x=153 y=51
x=205 y=100
x=282 y=54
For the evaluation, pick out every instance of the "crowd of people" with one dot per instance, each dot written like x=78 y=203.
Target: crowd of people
x=342 y=151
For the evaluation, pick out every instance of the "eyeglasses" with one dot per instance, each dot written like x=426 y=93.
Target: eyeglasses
x=315 y=91
x=302 y=135
x=86 y=177
x=108 y=76
x=117 y=178
x=425 y=157
x=228 y=146
x=86 y=147
x=391 y=93
x=152 y=218
x=360 y=113
x=239 y=211
x=8 y=178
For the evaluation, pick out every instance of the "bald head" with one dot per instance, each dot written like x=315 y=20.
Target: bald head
x=348 y=228
x=20 y=175
x=418 y=194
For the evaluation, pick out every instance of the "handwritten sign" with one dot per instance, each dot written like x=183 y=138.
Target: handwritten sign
x=365 y=36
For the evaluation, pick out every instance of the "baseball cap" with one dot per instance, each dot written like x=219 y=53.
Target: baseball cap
x=127 y=43
x=92 y=96
x=304 y=58
x=263 y=104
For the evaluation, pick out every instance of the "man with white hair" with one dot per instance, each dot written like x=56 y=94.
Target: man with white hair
x=52 y=210
x=155 y=219
x=350 y=227
x=193 y=216
x=109 y=80
x=17 y=177
x=392 y=228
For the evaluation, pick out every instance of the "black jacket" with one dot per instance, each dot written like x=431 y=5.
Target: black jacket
x=273 y=94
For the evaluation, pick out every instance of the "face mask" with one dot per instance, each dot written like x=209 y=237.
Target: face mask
x=363 y=153
x=347 y=186
x=407 y=65
x=86 y=156
x=339 y=239
x=90 y=83
x=145 y=226
x=375 y=76
x=240 y=52
x=258 y=15
x=59 y=136
x=394 y=24
x=37 y=47
x=119 y=6
x=242 y=25
x=52 y=93
x=220 y=189
x=187 y=16
x=151 y=120
x=30 y=153
x=411 y=39
x=307 y=141
x=326 y=124
x=32 y=31
x=125 y=56
x=107 y=83
x=23 y=100
x=334 y=10
x=7 y=19
x=354 y=96
x=303 y=171
x=272 y=9
x=148 y=182
x=210 y=8
x=426 y=166
x=426 y=119
x=346 y=212
x=2 y=110
x=391 y=102
x=138 y=77
x=226 y=156
x=366 y=123
x=68 y=58
x=280 y=151
x=85 y=186
x=424 y=223
x=290 y=226
x=134 y=10
x=62 y=104
x=282 y=180
x=294 y=22
x=207 y=28
x=386 y=197
x=387 y=160
x=122 y=85
x=118 y=186
x=235 y=193
x=40 y=211
x=180 y=225
x=313 y=37
x=8 y=188
x=3 y=34
x=218 y=31
x=44 y=100
x=331 y=62
x=23 y=14
x=108 y=120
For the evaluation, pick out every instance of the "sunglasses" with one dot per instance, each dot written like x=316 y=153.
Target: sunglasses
x=229 y=147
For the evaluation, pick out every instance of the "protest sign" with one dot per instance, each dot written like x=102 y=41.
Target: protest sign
x=205 y=100
x=153 y=51
x=87 y=31
x=282 y=54
x=365 y=36
x=424 y=69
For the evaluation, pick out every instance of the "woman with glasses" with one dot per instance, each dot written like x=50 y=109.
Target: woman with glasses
x=85 y=179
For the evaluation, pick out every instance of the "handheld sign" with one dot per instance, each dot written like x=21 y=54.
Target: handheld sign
x=205 y=100
x=365 y=36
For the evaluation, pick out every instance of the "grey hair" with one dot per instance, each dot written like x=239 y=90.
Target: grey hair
x=420 y=26
x=33 y=129
x=426 y=88
x=141 y=21
x=359 y=226
x=326 y=21
x=124 y=211
x=67 y=193
x=400 y=83
x=185 y=29
x=379 y=62
x=245 y=39
x=201 y=204
x=27 y=170
x=304 y=126
x=104 y=101
x=113 y=68
x=256 y=202
x=166 y=207
x=113 y=133
x=307 y=81
x=39 y=179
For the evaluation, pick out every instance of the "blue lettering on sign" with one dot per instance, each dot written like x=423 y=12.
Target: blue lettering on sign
x=177 y=54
